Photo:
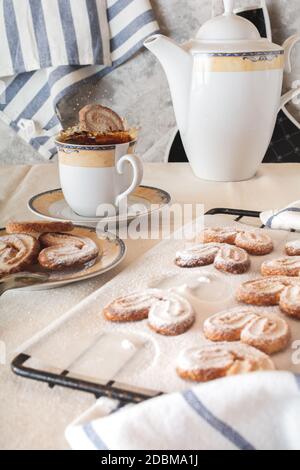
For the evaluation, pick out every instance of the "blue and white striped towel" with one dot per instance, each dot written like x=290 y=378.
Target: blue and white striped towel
x=255 y=411
x=49 y=48
x=38 y=34
x=283 y=219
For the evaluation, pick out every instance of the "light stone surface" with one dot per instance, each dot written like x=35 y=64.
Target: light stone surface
x=138 y=89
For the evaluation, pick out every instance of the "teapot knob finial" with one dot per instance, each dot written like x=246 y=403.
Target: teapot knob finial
x=228 y=7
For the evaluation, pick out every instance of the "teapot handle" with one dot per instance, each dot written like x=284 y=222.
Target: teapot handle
x=288 y=46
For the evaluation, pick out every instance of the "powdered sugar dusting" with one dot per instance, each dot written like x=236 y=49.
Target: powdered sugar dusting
x=66 y=250
x=293 y=247
x=231 y=256
x=266 y=327
x=232 y=320
x=201 y=252
x=291 y=295
x=154 y=366
x=171 y=312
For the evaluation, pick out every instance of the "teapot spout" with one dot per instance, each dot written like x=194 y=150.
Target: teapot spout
x=177 y=64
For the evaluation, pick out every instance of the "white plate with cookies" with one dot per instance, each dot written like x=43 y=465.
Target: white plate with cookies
x=59 y=251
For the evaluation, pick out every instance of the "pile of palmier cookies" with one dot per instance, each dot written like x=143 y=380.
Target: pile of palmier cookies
x=240 y=339
x=47 y=244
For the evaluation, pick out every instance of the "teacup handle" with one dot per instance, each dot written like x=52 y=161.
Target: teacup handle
x=138 y=174
x=288 y=47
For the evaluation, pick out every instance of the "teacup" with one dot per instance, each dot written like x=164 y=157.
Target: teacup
x=93 y=176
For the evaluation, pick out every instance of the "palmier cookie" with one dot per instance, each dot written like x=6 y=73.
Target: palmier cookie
x=38 y=226
x=228 y=325
x=290 y=301
x=171 y=315
x=262 y=330
x=66 y=251
x=293 y=248
x=219 y=235
x=267 y=332
x=132 y=307
x=97 y=118
x=264 y=291
x=231 y=259
x=255 y=243
x=17 y=252
x=286 y=266
x=197 y=255
x=214 y=361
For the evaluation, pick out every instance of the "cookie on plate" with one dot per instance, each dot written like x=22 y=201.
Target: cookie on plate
x=38 y=226
x=17 y=252
x=62 y=250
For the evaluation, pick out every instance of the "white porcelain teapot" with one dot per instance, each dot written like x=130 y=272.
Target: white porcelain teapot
x=226 y=88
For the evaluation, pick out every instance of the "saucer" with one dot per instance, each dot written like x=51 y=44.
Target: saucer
x=52 y=205
x=112 y=251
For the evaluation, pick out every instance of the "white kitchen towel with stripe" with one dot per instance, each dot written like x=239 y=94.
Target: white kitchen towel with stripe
x=52 y=47
x=283 y=219
x=258 y=411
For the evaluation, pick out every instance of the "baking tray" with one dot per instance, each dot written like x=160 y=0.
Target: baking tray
x=73 y=362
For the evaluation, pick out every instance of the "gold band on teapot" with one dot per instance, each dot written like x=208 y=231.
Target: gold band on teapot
x=240 y=62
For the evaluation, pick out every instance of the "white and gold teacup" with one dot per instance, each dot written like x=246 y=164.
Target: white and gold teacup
x=93 y=176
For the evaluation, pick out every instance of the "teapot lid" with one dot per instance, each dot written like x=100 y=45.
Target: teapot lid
x=230 y=32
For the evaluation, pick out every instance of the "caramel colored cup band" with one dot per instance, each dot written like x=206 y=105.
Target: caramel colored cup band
x=88 y=160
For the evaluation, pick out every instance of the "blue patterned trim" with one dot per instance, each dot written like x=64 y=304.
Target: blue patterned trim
x=76 y=147
x=245 y=55
x=227 y=431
